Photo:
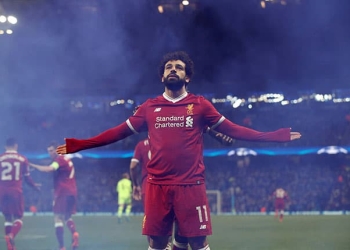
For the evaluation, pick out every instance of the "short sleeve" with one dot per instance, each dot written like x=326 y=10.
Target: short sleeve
x=211 y=116
x=137 y=122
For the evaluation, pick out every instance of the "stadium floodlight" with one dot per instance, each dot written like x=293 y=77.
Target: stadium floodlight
x=9 y=32
x=1 y=32
x=168 y=6
x=237 y=103
x=2 y=19
x=12 y=19
x=272 y=97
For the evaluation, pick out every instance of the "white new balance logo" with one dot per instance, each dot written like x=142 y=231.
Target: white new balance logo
x=189 y=121
x=203 y=227
x=157 y=109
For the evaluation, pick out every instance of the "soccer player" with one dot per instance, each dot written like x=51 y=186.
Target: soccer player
x=14 y=168
x=175 y=122
x=65 y=194
x=141 y=157
x=280 y=196
x=124 y=190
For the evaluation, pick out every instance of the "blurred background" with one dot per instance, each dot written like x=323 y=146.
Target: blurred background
x=72 y=68
x=72 y=47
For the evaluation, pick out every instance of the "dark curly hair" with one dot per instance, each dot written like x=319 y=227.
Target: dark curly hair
x=177 y=55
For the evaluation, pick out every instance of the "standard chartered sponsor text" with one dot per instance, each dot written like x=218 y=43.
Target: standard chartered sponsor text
x=169 y=122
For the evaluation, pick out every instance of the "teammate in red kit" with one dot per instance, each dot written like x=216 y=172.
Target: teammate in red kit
x=65 y=194
x=141 y=157
x=14 y=167
x=280 y=196
x=176 y=174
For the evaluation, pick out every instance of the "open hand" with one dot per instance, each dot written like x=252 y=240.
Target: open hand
x=294 y=136
x=136 y=193
x=61 y=149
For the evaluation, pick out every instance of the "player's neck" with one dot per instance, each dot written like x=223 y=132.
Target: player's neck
x=175 y=94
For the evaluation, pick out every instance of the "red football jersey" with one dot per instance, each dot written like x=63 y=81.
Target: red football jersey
x=13 y=167
x=142 y=155
x=175 y=128
x=64 y=177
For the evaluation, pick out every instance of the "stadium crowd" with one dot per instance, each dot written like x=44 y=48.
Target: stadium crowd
x=320 y=183
x=314 y=183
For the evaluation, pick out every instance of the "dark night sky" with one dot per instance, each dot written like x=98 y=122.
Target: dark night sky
x=115 y=47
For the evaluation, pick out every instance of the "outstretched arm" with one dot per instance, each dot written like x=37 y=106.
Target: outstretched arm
x=243 y=133
x=107 y=137
x=42 y=168
x=223 y=139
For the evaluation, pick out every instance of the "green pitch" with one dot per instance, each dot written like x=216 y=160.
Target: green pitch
x=230 y=233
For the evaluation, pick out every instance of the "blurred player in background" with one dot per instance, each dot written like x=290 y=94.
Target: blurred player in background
x=14 y=167
x=141 y=157
x=280 y=197
x=138 y=173
x=65 y=194
x=124 y=190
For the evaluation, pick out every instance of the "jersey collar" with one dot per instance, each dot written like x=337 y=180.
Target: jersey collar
x=174 y=100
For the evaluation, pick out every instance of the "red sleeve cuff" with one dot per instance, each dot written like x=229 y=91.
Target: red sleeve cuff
x=107 y=137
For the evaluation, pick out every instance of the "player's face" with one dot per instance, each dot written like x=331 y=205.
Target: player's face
x=174 y=77
x=52 y=152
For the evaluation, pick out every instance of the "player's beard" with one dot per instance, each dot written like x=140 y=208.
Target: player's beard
x=174 y=85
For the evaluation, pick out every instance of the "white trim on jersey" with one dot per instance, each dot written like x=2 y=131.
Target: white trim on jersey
x=173 y=100
x=131 y=127
x=218 y=123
